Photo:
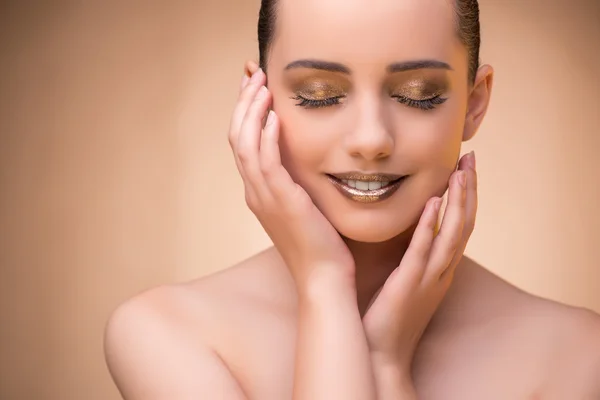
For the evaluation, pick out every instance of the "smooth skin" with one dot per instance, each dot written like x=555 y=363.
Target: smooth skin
x=377 y=306
x=226 y=337
x=324 y=271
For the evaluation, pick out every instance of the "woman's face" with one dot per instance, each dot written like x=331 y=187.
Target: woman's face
x=373 y=87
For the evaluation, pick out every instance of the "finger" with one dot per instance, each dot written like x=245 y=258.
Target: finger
x=470 y=212
x=245 y=99
x=250 y=137
x=416 y=256
x=245 y=80
x=276 y=177
x=411 y=269
x=448 y=240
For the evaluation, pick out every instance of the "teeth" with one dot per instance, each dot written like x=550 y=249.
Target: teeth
x=362 y=185
x=374 y=185
x=365 y=185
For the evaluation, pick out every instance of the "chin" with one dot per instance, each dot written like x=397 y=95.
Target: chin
x=372 y=226
x=376 y=222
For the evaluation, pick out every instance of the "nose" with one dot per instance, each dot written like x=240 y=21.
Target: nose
x=371 y=138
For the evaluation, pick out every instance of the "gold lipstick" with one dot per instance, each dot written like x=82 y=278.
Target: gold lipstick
x=366 y=188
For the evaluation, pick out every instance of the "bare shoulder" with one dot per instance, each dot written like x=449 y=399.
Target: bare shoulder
x=563 y=340
x=574 y=331
x=163 y=343
x=574 y=343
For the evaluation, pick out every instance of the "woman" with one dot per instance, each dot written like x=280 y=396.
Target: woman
x=345 y=154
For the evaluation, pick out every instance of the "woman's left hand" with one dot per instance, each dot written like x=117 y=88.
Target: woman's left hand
x=404 y=306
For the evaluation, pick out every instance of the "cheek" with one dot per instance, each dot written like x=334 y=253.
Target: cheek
x=304 y=141
x=428 y=143
x=431 y=141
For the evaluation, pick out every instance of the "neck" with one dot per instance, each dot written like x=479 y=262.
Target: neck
x=374 y=263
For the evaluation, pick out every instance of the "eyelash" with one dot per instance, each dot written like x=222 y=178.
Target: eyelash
x=426 y=105
x=308 y=103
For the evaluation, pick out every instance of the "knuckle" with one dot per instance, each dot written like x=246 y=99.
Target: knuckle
x=269 y=167
x=450 y=242
x=419 y=254
x=453 y=245
x=246 y=94
x=255 y=103
x=441 y=237
x=268 y=173
x=419 y=248
x=243 y=156
x=266 y=168
x=231 y=140
x=446 y=279
x=469 y=228
x=299 y=204
x=251 y=201
x=252 y=113
x=303 y=205
x=259 y=98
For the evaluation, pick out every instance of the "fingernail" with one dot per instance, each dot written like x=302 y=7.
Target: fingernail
x=256 y=75
x=462 y=179
x=472 y=161
x=270 y=118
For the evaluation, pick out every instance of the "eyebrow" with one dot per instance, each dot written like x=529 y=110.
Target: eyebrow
x=395 y=67
x=418 y=64
x=318 y=64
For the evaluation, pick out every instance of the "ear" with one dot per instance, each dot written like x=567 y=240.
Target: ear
x=250 y=67
x=478 y=101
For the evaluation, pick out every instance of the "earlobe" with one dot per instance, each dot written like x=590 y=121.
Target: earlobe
x=478 y=101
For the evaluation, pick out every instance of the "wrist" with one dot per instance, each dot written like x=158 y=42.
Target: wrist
x=325 y=282
x=393 y=381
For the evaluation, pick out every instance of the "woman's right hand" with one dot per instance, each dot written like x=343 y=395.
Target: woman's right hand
x=306 y=240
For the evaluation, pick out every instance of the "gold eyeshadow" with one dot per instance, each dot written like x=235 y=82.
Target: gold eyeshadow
x=319 y=89
x=417 y=90
x=315 y=89
x=418 y=86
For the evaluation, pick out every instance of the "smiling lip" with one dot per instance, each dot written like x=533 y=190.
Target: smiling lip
x=359 y=176
x=392 y=183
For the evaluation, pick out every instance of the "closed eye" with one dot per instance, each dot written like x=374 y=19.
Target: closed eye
x=310 y=103
x=427 y=104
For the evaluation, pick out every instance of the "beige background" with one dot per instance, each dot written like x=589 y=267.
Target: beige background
x=113 y=120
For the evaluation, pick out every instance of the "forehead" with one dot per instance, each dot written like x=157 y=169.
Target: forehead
x=359 y=31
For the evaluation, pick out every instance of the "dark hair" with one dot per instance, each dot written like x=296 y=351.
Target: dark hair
x=467 y=22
